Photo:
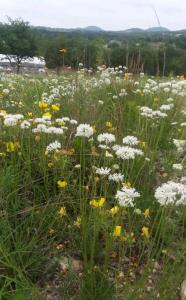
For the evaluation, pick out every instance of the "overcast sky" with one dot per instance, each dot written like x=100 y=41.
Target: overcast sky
x=107 y=14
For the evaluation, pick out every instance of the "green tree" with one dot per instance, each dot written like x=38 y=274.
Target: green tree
x=53 y=57
x=17 y=42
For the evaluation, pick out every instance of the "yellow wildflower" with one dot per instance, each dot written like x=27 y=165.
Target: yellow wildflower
x=62 y=212
x=165 y=174
x=126 y=184
x=97 y=203
x=62 y=184
x=10 y=147
x=108 y=124
x=117 y=231
x=30 y=114
x=145 y=231
x=114 y=210
x=55 y=107
x=77 y=223
x=147 y=213
x=42 y=104
x=47 y=114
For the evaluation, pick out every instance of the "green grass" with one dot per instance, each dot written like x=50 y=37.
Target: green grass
x=35 y=237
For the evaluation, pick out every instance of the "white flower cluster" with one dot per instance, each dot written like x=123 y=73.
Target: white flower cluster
x=84 y=130
x=126 y=152
x=130 y=140
x=106 y=138
x=6 y=91
x=53 y=146
x=25 y=124
x=50 y=130
x=12 y=120
x=149 y=113
x=126 y=196
x=166 y=107
x=180 y=144
x=43 y=120
x=116 y=177
x=171 y=193
x=54 y=130
x=66 y=119
x=178 y=167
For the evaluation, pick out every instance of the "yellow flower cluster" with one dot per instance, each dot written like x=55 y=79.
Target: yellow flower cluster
x=97 y=203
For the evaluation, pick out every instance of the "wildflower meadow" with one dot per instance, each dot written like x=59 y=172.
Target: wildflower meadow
x=92 y=185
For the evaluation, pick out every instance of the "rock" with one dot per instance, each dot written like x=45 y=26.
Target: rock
x=183 y=290
x=77 y=265
x=64 y=264
x=70 y=263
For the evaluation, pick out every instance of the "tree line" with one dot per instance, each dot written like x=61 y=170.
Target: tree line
x=155 y=54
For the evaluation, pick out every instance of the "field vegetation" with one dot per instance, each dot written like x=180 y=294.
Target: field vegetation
x=92 y=185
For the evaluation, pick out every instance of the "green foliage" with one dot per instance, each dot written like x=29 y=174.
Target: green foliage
x=17 y=41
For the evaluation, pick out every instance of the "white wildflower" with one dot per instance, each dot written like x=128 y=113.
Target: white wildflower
x=106 y=138
x=126 y=196
x=25 y=124
x=84 y=130
x=128 y=152
x=117 y=177
x=103 y=171
x=130 y=140
x=53 y=146
x=171 y=193
x=178 y=167
x=54 y=130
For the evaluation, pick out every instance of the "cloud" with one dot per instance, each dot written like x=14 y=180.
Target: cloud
x=109 y=14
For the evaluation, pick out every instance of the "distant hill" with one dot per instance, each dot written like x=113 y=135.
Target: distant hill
x=129 y=33
x=92 y=28
x=87 y=29
x=134 y=30
x=158 y=29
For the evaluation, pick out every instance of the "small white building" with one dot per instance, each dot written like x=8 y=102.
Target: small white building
x=35 y=64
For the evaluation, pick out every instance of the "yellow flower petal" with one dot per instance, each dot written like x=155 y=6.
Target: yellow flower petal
x=62 y=184
x=117 y=231
x=145 y=231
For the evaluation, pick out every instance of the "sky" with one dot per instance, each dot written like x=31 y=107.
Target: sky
x=107 y=14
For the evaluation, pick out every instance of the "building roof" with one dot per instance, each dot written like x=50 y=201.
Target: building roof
x=32 y=61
